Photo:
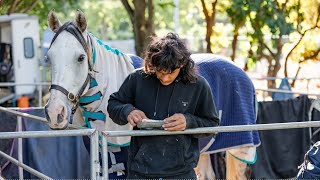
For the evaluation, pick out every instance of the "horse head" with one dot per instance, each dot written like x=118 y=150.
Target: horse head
x=70 y=68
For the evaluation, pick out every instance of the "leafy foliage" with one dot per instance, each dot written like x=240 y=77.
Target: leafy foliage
x=40 y=8
x=108 y=19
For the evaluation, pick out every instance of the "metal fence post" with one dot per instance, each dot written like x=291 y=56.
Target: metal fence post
x=94 y=156
x=105 y=168
x=20 y=155
x=40 y=95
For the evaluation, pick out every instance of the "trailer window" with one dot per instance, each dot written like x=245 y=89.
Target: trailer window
x=28 y=47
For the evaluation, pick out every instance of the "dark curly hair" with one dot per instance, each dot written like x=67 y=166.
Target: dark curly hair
x=167 y=54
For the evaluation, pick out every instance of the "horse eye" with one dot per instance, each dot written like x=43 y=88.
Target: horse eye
x=81 y=58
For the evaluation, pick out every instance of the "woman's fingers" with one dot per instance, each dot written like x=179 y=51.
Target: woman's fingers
x=176 y=122
x=179 y=127
x=131 y=122
x=135 y=117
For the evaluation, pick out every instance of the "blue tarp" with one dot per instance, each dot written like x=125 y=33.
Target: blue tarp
x=47 y=37
x=284 y=85
x=56 y=157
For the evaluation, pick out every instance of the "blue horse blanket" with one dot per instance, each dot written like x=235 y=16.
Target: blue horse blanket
x=234 y=96
x=310 y=168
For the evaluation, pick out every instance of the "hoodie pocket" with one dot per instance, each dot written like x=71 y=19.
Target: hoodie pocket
x=159 y=155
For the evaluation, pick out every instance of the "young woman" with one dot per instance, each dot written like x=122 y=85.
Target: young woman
x=168 y=89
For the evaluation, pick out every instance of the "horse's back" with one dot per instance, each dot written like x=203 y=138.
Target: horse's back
x=137 y=61
x=234 y=95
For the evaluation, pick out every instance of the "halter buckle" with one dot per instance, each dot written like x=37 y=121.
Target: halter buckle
x=71 y=97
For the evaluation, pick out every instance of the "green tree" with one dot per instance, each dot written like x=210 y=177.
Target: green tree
x=107 y=19
x=238 y=14
x=17 y=6
x=306 y=18
x=40 y=8
x=268 y=18
x=190 y=21
x=216 y=22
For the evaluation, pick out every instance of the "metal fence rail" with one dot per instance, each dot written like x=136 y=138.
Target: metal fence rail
x=288 y=92
x=27 y=168
x=213 y=130
x=40 y=134
x=95 y=166
x=219 y=129
x=289 y=78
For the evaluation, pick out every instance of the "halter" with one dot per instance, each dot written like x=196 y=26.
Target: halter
x=71 y=28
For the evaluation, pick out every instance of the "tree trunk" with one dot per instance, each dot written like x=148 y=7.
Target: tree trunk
x=234 y=43
x=142 y=26
x=139 y=26
x=246 y=67
x=210 y=22
x=295 y=77
x=149 y=25
x=274 y=62
x=271 y=84
x=208 y=36
x=273 y=70
x=13 y=6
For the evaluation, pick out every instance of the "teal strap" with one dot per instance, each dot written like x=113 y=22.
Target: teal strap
x=90 y=99
x=94 y=54
x=93 y=83
x=119 y=145
x=114 y=51
x=94 y=115
x=244 y=161
x=87 y=123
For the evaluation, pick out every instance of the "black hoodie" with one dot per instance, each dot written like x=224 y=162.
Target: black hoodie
x=163 y=156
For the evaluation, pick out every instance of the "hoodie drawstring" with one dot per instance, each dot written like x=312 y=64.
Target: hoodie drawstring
x=155 y=106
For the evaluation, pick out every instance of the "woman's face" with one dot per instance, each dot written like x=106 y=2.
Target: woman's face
x=167 y=78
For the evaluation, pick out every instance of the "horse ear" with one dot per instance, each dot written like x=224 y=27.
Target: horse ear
x=81 y=21
x=53 y=21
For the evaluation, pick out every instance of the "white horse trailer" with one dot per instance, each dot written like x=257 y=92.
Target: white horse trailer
x=20 y=52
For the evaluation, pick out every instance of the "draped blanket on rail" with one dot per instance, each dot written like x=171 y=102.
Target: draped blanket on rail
x=234 y=95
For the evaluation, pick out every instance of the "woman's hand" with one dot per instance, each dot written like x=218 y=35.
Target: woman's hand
x=136 y=116
x=176 y=122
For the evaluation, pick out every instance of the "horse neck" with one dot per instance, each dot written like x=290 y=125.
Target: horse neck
x=111 y=67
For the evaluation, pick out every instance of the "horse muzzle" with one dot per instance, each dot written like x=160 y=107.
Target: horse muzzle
x=57 y=117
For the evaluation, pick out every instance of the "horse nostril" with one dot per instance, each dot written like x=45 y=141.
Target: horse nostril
x=61 y=115
x=47 y=114
x=60 y=118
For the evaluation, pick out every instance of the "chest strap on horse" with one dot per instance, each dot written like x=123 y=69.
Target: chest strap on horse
x=85 y=100
x=94 y=115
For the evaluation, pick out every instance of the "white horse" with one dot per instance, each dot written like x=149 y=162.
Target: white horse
x=85 y=71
